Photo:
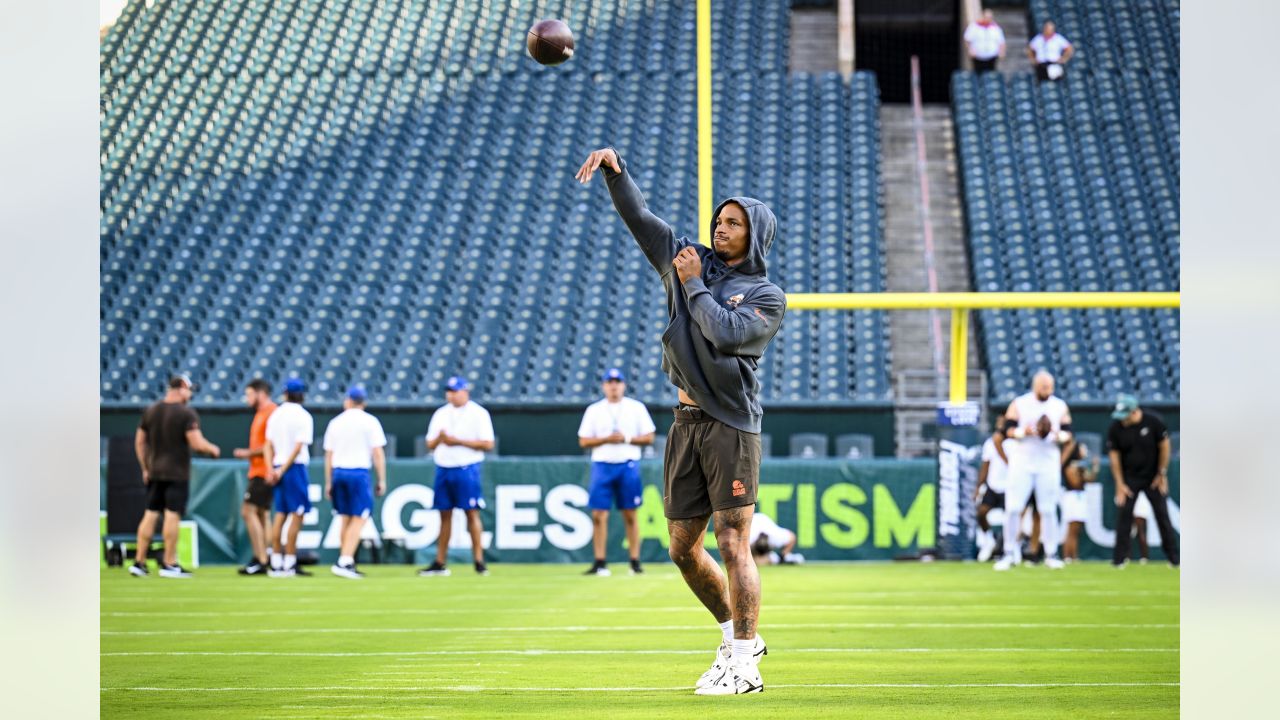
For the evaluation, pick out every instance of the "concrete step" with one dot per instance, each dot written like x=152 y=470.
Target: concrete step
x=814 y=40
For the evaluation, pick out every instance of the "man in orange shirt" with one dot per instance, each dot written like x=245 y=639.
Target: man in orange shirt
x=257 y=498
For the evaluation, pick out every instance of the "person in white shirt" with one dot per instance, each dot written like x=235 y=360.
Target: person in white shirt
x=772 y=544
x=615 y=429
x=290 y=431
x=1050 y=52
x=984 y=40
x=459 y=433
x=991 y=487
x=1037 y=423
x=353 y=442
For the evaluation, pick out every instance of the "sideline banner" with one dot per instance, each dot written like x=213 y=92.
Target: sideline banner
x=536 y=510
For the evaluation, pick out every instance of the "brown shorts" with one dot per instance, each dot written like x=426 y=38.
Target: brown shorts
x=708 y=466
x=259 y=493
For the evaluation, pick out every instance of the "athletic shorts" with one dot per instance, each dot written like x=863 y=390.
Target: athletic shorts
x=167 y=495
x=352 y=492
x=615 y=484
x=459 y=487
x=708 y=466
x=1074 y=507
x=993 y=499
x=259 y=493
x=292 y=492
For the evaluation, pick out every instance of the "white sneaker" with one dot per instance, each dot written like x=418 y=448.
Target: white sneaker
x=793 y=559
x=735 y=680
x=174 y=571
x=986 y=547
x=723 y=653
x=346 y=571
x=1054 y=563
x=281 y=573
x=1004 y=563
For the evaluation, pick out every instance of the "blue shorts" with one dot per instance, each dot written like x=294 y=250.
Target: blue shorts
x=459 y=487
x=615 y=484
x=352 y=492
x=291 y=493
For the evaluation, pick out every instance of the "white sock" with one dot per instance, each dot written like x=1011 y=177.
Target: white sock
x=290 y=561
x=741 y=651
x=346 y=560
x=277 y=561
x=726 y=629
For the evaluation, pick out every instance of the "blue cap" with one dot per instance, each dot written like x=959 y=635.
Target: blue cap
x=295 y=385
x=456 y=382
x=1125 y=405
x=356 y=392
x=613 y=374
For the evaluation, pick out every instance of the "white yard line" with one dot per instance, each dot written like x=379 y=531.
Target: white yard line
x=685 y=688
x=420 y=653
x=610 y=610
x=616 y=628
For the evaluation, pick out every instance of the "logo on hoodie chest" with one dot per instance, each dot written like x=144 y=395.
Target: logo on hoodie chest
x=734 y=300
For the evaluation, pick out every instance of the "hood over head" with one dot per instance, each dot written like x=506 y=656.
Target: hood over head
x=762 y=224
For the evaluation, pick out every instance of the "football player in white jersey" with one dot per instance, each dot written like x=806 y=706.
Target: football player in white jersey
x=1035 y=426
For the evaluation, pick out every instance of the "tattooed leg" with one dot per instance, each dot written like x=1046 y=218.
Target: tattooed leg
x=733 y=530
x=700 y=571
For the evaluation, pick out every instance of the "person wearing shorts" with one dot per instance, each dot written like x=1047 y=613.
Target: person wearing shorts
x=614 y=429
x=353 y=443
x=167 y=435
x=458 y=435
x=290 y=432
x=989 y=493
x=256 y=505
x=1075 y=473
x=722 y=313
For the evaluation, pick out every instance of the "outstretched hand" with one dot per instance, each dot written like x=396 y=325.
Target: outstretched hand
x=594 y=160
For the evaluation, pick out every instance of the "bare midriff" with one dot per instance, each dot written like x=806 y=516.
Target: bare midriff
x=684 y=398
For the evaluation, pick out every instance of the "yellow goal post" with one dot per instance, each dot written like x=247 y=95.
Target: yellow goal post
x=960 y=303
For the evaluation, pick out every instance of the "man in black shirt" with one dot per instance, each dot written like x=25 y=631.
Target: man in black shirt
x=1138 y=444
x=168 y=433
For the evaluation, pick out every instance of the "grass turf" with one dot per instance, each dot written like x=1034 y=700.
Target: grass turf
x=867 y=640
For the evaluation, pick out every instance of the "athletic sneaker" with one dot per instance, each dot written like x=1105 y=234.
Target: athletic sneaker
x=138 y=569
x=986 y=546
x=346 y=571
x=1054 y=563
x=254 y=568
x=174 y=571
x=1143 y=561
x=635 y=568
x=434 y=569
x=599 y=570
x=282 y=573
x=481 y=569
x=721 y=663
x=735 y=680
x=1004 y=563
x=1120 y=565
x=793 y=559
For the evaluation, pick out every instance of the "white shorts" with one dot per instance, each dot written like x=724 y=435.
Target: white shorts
x=1074 y=507
x=1142 y=508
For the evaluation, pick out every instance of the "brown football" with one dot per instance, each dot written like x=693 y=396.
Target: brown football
x=550 y=42
x=1043 y=426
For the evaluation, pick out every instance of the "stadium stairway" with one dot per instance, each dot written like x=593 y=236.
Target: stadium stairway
x=918 y=387
x=1017 y=33
x=814 y=39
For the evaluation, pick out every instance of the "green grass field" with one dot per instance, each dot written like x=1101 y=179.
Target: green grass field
x=845 y=640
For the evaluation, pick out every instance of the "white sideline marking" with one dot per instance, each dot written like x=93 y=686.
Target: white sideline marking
x=685 y=688
x=589 y=628
x=254 y=653
x=687 y=608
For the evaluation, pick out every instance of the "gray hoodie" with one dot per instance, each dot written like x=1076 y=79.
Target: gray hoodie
x=721 y=322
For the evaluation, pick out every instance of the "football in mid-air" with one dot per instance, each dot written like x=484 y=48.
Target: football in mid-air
x=1044 y=426
x=550 y=42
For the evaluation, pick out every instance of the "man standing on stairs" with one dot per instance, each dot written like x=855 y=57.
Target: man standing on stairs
x=723 y=311
x=1037 y=423
x=1049 y=52
x=984 y=40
